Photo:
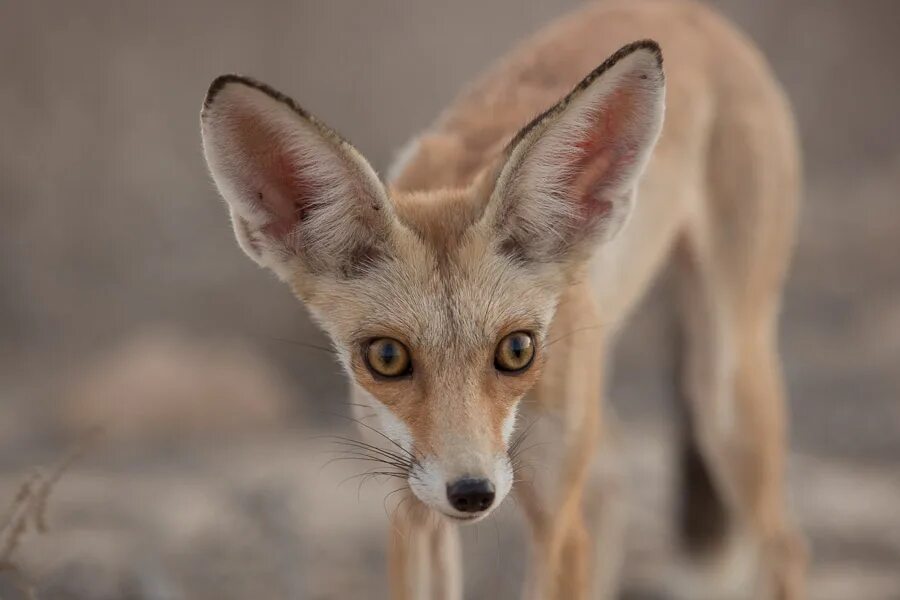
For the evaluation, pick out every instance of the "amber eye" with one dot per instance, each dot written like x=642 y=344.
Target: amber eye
x=388 y=358
x=514 y=352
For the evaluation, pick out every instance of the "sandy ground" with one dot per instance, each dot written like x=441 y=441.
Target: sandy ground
x=261 y=518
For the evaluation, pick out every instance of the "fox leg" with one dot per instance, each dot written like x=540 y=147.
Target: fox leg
x=424 y=554
x=577 y=533
x=734 y=397
x=567 y=495
x=552 y=497
x=732 y=261
x=606 y=514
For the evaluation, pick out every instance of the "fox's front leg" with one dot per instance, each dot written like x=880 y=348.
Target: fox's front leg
x=567 y=492
x=571 y=493
x=552 y=496
x=424 y=554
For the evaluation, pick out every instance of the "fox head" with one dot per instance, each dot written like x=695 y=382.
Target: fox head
x=438 y=302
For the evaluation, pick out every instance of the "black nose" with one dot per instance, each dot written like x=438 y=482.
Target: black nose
x=471 y=495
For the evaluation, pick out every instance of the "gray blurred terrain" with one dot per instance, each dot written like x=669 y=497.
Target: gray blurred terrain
x=113 y=243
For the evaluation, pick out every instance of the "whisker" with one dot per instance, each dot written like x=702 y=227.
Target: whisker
x=361 y=458
x=527 y=448
x=365 y=446
x=387 y=497
x=409 y=509
x=520 y=437
x=397 y=508
x=351 y=450
x=374 y=430
x=344 y=441
x=325 y=349
x=369 y=474
x=573 y=332
x=360 y=404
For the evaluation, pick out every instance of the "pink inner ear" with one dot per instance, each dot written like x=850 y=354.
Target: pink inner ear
x=276 y=176
x=604 y=154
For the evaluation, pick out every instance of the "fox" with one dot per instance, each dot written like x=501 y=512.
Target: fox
x=481 y=284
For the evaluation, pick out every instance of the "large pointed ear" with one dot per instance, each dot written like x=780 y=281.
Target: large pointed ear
x=569 y=176
x=299 y=195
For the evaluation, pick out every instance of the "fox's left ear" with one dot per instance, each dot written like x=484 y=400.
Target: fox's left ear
x=568 y=180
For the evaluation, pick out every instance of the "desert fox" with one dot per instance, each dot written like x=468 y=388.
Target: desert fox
x=479 y=286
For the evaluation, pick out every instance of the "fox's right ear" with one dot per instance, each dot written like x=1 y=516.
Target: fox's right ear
x=300 y=196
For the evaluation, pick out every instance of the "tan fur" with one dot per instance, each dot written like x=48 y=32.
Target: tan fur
x=695 y=191
x=453 y=261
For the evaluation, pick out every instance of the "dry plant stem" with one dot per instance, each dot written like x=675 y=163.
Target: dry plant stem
x=15 y=522
x=29 y=507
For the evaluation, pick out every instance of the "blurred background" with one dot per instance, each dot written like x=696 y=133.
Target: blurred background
x=124 y=299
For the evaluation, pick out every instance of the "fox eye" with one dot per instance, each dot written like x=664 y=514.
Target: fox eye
x=514 y=352
x=388 y=358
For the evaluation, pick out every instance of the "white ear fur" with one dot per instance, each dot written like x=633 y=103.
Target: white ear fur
x=569 y=178
x=298 y=194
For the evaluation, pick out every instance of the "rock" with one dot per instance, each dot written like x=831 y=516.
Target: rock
x=162 y=384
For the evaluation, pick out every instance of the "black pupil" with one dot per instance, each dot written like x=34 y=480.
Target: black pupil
x=518 y=346
x=389 y=354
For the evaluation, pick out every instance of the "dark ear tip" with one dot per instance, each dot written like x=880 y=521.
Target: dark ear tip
x=220 y=82
x=649 y=45
x=223 y=81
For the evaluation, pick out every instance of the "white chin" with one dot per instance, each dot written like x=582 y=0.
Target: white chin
x=465 y=520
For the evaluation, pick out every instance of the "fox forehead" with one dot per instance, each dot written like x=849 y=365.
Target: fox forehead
x=442 y=284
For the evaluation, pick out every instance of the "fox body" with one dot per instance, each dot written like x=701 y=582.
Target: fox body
x=480 y=285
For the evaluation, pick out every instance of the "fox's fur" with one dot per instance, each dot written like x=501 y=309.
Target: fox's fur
x=543 y=205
